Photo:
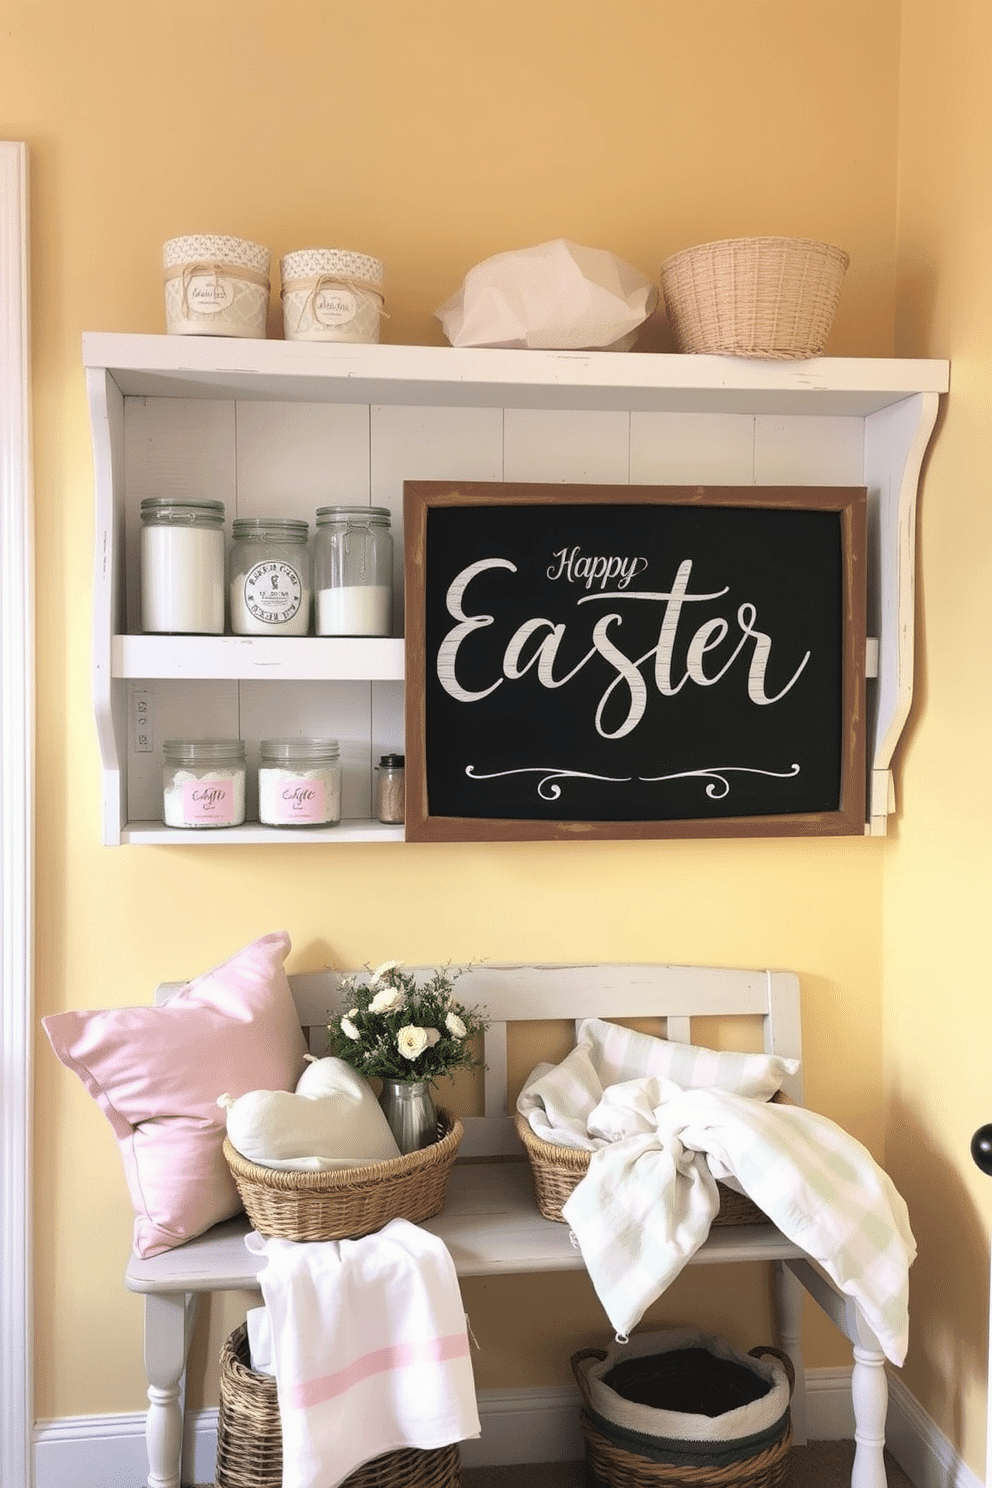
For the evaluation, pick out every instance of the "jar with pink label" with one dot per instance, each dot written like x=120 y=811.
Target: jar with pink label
x=299 y=783
x=204 y=783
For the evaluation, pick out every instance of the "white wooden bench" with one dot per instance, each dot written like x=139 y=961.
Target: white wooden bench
x=490 y=1222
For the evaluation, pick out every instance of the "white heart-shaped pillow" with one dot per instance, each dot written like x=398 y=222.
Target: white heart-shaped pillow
x=331 y=1120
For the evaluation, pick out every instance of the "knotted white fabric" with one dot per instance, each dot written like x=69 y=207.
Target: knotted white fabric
x=658 y=1148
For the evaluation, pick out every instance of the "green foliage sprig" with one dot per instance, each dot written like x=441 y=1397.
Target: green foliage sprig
x=395 y=1028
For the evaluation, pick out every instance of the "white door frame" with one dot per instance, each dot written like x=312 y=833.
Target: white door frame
x=16 y=825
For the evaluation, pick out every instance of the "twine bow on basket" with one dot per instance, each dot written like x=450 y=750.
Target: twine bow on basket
x=189 y=271
x=315 y=287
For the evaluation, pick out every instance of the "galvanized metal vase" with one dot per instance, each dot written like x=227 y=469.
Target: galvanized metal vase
x=409 y=1108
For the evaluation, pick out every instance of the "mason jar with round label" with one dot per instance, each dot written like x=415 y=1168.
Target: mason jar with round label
x=269 y=584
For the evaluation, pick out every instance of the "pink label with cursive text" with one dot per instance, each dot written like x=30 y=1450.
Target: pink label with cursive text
x=303 y=802
x=209 y=801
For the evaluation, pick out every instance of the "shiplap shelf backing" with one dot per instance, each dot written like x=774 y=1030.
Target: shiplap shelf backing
x=274 y=427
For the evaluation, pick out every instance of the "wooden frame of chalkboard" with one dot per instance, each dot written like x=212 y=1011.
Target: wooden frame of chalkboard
x=588 y=661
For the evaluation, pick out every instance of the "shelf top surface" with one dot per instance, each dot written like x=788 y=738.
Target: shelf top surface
x=273 y=370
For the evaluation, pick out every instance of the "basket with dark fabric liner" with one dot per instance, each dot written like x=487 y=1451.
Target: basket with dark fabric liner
x=683 y=1409
x=249 y=1437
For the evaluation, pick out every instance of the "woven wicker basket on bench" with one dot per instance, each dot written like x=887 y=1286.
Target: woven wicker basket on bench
x=346 y=1203
x=557 y=1170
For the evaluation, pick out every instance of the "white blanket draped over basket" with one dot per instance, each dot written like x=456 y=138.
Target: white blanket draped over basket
x=369 y=1347
x=663 y=1121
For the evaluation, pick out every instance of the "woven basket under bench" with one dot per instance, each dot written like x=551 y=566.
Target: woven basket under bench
x=557 y=1170
x=249 y=1437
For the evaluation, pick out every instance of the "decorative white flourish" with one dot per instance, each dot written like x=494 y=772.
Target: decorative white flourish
x=547 y=789
x=717 y=776
x=717 y=789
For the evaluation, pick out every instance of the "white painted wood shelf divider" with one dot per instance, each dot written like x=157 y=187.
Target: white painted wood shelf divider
x=257 y=423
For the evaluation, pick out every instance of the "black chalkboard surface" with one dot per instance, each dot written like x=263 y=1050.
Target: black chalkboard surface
x=634 y=661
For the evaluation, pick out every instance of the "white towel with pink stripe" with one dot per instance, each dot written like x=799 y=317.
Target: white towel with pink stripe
x=369 y=1347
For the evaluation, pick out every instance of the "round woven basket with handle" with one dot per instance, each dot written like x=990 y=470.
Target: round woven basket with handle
x=557 y=1170
x=754 y=297
x=249 y=1437
x=623 y=1458
x=345 y=1203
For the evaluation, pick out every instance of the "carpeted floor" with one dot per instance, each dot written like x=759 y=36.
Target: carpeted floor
x=820 y=1465
x=824 y=1464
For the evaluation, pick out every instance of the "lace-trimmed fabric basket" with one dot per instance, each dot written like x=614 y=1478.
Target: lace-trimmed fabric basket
x=346 y=1203
x=249 y=1437
x=557 y=1170
x=685 y=1410
x=754 y=297
x=216 y=286
x=331 y=294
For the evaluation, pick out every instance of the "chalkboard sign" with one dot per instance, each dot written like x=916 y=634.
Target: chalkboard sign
x=634 y=661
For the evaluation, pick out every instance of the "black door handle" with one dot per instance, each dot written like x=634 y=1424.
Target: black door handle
x=981 y=1148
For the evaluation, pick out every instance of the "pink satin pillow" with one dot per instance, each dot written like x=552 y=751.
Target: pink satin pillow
x=156 y=1073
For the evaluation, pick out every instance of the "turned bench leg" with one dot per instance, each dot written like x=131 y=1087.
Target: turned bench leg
x=169 y=1319
x=789 y=1306
x=870 y=1396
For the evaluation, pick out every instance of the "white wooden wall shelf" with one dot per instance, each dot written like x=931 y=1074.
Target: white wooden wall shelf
x=277 y=426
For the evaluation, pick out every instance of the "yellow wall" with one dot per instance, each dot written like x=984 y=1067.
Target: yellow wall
x=434 y=135
x=937 y=1010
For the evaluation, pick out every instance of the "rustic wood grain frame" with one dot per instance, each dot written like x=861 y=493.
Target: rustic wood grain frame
x=848 y=819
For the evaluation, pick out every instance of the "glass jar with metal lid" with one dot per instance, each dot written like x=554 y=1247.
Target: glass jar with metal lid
x=353 y=571
x=182 y=566
x=299 y=783
x=269 y=576
x=203 y=783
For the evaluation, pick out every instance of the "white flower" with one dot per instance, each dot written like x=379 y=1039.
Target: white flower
x=347 y=1027
x=381 y=971
x=455 y=1025
x=411 y=1041
x=433 y=1037
x=386 y=1000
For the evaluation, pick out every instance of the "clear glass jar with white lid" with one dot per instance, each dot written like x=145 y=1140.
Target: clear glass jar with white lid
x=299 y=783
x=182 y=566
x=203 y=783
x=353 y=571
x=270 y=576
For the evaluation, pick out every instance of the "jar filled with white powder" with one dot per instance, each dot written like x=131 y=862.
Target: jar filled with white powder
x=299 y=783
x=353 y=571
x=182 y=566
x=269 y=567
x=204 y=782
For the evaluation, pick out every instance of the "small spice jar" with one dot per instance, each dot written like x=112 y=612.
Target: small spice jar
x=353 y=571
x=390 y=788
x=269 y=584
x=182 y=566
x=204 y=783
x=216 y=286
x=331 y=294
x=299 y=783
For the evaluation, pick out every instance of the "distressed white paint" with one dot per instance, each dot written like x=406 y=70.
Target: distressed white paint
x=247 y=419
x=490 y=1224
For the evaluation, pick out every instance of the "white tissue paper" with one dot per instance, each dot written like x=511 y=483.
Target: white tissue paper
x=555 y=296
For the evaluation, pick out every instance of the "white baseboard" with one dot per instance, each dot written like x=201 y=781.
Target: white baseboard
x=920 y=1447
x=517 y=1426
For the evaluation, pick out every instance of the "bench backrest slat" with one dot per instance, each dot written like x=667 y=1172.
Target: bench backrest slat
x=675 y=995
